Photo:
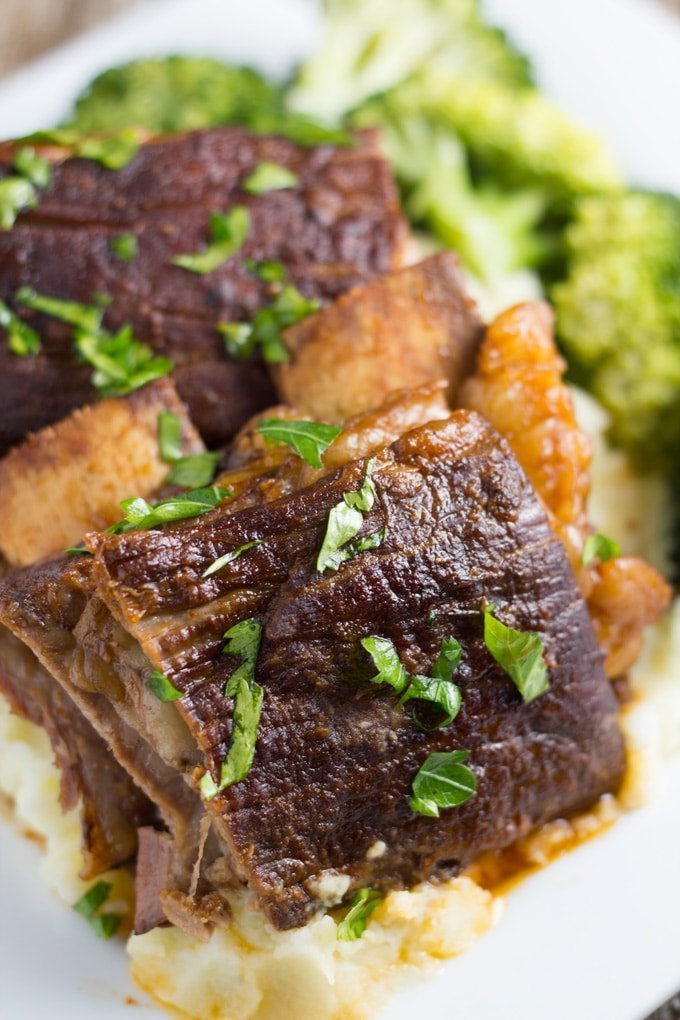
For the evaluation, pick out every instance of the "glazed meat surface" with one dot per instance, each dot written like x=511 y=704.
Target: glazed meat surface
x=339 y=226
x=335 y=755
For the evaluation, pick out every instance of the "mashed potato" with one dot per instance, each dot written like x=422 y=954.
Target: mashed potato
x=252 y=972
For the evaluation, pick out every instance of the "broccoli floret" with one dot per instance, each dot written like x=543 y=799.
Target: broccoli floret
x=515 y=137
x=371 y=45
x=174 y=94
x=618 y=317
x=494 y=233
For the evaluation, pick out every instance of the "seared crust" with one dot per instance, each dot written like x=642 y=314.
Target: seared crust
x=401 y=330
x=338 y=227
x=336 y=756
x=82 y=468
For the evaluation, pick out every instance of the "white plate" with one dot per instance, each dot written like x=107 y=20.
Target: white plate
x=596 y=936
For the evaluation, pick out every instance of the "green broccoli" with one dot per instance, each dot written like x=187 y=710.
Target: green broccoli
x=371 y=45
x=494 y=233
x=515 y=137
x=187 y=93
x=174 y=94
x=618 y=317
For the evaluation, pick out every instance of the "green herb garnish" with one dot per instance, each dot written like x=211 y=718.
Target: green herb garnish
x=520 y=653
x=309 y=439
x=437 y=689
x=125 y=247
x=268 y=270
x=121 y=363
x=89 y=905
x=33 y=167
x=442 y=781
x=230 y=557
x=113 y=152
x=243 y=641
x=194 y=470
x=353 y=925
x=22 y=338
x=16 y=193
x=344 y=523
x=84 y=317
x=269 y=177
x=77 y=550
x=264 y=332
x=162 y=687
x=228 y=233
x=387 y=662
x=599 y=547
x=140 y=515
x=356 y=546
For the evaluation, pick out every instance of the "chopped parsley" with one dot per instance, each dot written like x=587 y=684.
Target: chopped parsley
x=162 y=687
x=344 y=523
x=125 y=247
x=353 y=925
x=309 y=439
x=89 y=906
x=194 y=470
x=263 y=333
x=442 y=781
x=269 y=177
x=22 y=339
x=438 y=689
x=599 y=547
x=140 y=515
x=268 y=270
x=228 y=234
x=230 y=557
x=111 y=151
x=243 y=640
x=33 y=167
x=16 y=193
x=121 y=363
x=520 y=653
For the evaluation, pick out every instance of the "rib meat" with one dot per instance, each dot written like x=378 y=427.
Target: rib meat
x=339 y=226
x=335 y=755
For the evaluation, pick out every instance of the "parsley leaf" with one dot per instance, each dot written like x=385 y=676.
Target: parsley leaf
x=269 y=271
x=33 y=167
x=196 y=469
x=162 y=687
x=121 y=363
x=356 y=546
x=88 y=906
x=344 y=523
x=113 y=151
x=16 y=193
x=520 y=653
x=140 y=515
x=85 y=317
x=264 y=332
x=442 y=781
x=228 y=233
x=387 y=662
x=125 y=247
x=243 y=641
x=599 y=547
x=309 y=439
x=353 y=925
x=22 y=338
x=269 y=177
x=230 y=557
x=437 y=689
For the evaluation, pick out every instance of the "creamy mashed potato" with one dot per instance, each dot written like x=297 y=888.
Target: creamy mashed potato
x=252 y=972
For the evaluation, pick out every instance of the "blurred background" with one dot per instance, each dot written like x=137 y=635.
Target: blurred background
x=30 y=27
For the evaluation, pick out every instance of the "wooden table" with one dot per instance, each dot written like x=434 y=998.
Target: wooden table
x=29 y=27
